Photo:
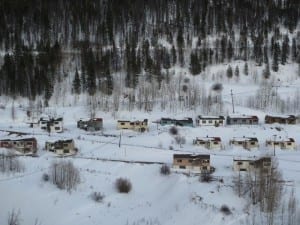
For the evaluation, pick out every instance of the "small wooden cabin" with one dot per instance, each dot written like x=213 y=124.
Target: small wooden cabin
x=208 y=142
x=196 y=163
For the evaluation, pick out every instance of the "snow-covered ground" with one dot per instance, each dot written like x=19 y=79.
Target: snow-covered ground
x=154 y=199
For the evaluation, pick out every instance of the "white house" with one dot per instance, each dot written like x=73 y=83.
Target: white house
x=51 y=124
x=210 y=121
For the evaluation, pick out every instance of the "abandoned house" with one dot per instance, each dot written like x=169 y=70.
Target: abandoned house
x=177 y=122
x=245 y=142
x=263 y=164
x=208 y=142
x=284 y=144
x=242 y=120
x=61 y=147
x=93 y=124
x=22 y=145
x=51 y=124
x=210 y=121
x=195 y=163
x=138 y=125
x=290 y=119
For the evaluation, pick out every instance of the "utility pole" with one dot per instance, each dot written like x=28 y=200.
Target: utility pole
x=232 y=101
x=274 y=144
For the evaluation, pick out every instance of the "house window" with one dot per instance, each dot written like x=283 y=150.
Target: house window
x=243 y=169
x=190 y=160
x=56 y=122
x=122 y=124
x=240 y=163
x=215 y=143
x=289 y=143
x=202 y=143
x=235 y=120
x=179 y=160
x=209 y=121
x=267 y=164
x=251 y=163
x=57 y=128
x=244 y=121
x=65 y=144
x=240 y=142
x=204 y=167
x=203 y=121
x=66 y=151
x=252 y=143
x=182 y=167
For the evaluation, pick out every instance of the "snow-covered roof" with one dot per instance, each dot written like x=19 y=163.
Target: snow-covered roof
x=211 y=117
x=208 y=138
x=244 y=139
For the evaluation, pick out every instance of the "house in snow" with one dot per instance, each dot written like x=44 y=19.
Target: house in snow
x=22 y=145
x=208 y=142
x=284 y=144
x=262 y=164
x=177 y=122
x=290 y=119
x=210 y=121
x=194 y=163
x=245 y=142
x=93 y=124
x=137 y=125
x=242 y=120
x=61 y=147
x=51 y=124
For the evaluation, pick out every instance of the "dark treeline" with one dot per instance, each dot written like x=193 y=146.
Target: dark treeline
x=123 y=36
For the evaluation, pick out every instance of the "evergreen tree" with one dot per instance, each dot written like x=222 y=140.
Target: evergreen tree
x=195 y=67
x=276 y=53
x=229 y=72
x=76 y=83
x=266 y=71
x=246 y=70
x=173 y=55
x=237 y=71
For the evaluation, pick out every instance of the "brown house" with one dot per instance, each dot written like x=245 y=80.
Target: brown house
x=196 y=163
x=290 y=119
x=23 y=146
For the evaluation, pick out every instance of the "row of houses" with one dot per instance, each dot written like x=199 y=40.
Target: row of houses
x=202 y=164
x=28 y=146
x=52 y=124
x=244 y=142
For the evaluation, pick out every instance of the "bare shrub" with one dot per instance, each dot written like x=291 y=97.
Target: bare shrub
x=97 y=196
x=123 y=185
x=173 y=130
x=65 y=175
x=180 y=140
x=206 y=177
x=225 y=209
x=165 y=170
x=10 y=163
x=45 y=177
x=13 y=218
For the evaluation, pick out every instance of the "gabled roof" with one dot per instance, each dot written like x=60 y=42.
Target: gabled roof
x=242 y=117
